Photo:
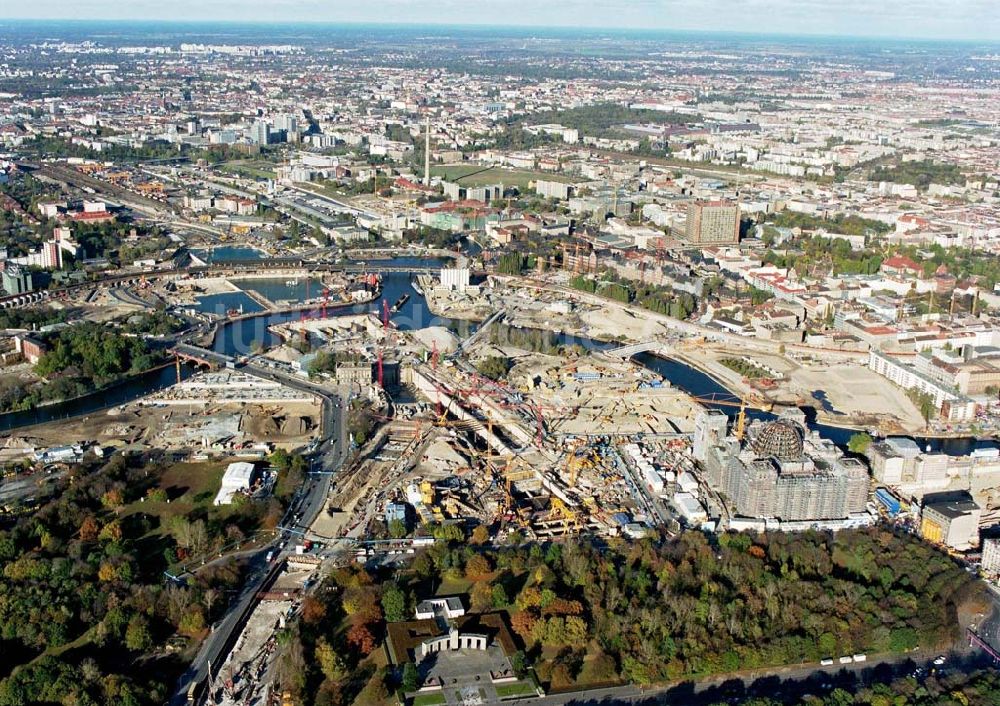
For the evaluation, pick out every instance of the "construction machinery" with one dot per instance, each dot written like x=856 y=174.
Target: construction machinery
x=579 y=457
x=560 y=511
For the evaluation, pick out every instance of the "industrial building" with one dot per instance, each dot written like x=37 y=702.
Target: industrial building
x=17 y=279
x=455 y=278
x=237 y=479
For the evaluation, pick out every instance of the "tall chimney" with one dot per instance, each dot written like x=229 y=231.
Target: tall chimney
x=427 y=153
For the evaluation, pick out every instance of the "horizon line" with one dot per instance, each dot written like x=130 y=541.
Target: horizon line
x=483 y=25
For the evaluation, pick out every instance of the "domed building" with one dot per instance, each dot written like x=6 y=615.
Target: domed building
x=779 y=471
x=781 y=439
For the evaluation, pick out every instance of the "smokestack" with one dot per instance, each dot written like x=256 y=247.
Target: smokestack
x=427 y=153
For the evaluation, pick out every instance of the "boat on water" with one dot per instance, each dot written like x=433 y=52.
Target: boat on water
x=400 y=302
x=416 y=287
x=291 y=283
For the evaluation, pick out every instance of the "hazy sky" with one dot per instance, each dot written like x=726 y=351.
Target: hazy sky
x=946 y=19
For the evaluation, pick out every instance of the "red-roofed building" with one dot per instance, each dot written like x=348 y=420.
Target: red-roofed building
x=93 y=216
x=901 y=265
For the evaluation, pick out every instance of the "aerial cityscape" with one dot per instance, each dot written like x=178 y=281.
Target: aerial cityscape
x=429 y=354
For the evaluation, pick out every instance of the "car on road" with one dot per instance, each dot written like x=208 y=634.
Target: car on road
x=828 y=662
x=939 y=660
x=846 y=659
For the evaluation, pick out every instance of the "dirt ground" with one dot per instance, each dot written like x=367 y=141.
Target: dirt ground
x=840 y=392
x=138 y=426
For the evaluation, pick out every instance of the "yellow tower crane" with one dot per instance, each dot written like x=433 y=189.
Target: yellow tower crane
x=741 y=420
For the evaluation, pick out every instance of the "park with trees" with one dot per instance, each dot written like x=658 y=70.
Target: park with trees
x=655 y=611
x=86 y=603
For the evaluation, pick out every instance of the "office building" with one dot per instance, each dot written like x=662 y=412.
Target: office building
x=709 y=431
x=990 y=562
x=17 y=279
x=713 y=223
x=951 y=519
x=555 y=189
x=260 y=133
x=457 y=192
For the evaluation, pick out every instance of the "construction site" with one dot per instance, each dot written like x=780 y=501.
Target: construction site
x=222 y=412
x=246 y=675
x=560 y=445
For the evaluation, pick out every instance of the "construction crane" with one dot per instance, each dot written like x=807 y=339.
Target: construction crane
x=741 y=420
x=578 y=458
x=559 y=510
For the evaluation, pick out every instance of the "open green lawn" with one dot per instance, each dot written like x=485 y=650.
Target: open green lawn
x=188 y=485
x=451 y=586
x=477 y=175
x=259 y=170
x=521 y=688
x=428 y=699
x=324 y=188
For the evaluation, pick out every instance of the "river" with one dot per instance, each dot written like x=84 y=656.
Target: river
x=240 y=337
x=125 y=391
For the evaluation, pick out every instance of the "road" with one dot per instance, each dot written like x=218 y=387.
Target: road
x=790 y=684
x=306 y=504
x=787 y=684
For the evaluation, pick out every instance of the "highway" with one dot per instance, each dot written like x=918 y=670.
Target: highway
x=329 y=455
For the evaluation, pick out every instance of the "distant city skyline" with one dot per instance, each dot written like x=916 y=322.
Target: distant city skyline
x=929 y=19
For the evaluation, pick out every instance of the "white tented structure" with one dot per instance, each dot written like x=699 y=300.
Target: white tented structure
x=237 y=477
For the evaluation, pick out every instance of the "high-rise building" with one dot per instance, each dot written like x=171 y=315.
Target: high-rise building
x=780 y=472
x=713 y=222
x=709 y=431
x=260 y=133
x=17 y=279
x=51 y=255
x=991 y=555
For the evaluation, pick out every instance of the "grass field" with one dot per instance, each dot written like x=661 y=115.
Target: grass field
x=477 y=175
x=451 y=586
x=505 y=691
x=189 y=486
x=428 y=699
x=254 y=170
